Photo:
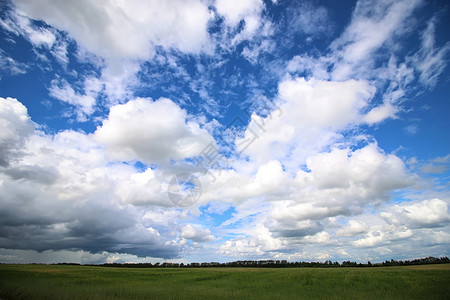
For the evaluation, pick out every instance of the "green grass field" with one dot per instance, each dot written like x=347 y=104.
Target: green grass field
x=83 y=282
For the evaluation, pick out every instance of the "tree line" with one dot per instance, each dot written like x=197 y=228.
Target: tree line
x=277 y=264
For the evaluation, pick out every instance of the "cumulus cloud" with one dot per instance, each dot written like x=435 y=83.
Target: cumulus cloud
x=126 y=30
x=244 y=21
x=382 y=237
x=235 y=11
x=144 y=188
x=15 y=127
x=196 y=234
x=334 y=184
x=151 y=131
x=74 y=209
x=342 y=184
x=259 y=243
x=354 y=227
x=410 y=224
x=64 y=193
x=309 y=116
x=238 y=187
x=293 y=225
x=427 y=213
x=318 y=238
x=288 y=211
x=368 y=167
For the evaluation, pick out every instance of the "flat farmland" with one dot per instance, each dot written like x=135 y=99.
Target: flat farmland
x=91 y=282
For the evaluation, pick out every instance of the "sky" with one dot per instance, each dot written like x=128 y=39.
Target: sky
x=199 y=131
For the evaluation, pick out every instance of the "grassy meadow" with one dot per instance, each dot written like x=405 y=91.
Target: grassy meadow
x=87 y=282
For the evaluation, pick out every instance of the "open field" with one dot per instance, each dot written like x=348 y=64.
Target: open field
x=85 y=282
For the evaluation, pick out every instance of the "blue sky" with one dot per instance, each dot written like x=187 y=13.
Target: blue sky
x=224 y=130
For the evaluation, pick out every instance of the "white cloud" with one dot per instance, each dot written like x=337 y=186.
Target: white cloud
x=427 y=213
x=411 y=129
x=381 y=236
x=64 y=193
x=84 y=102
x=438 y=165
x=251 y=53
x=10 y=66
x=367 y=168
x=60 y=52
x=434 y=169
x=120 y=34
x=380 y=113
x=73 y=206
x=250 y=12
x=21 y=25
x=370 y=240
x=311 y=20
x=436 y=237
x=151 y=131
x=15 y=128
x=269 y=182
x=372 y=35
x=143 y=188
x=82 y=257
x=318 y=238
x=236 y=10
x=318 y=107
x=372 y=26
x=443 y=159
x=196 y=234
x=310 y=115
x=337 y=183
x=315 y=67
x=354 y=227
x=431 y=61
x=290 y=224
x=126 y=30
x=260 y=243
